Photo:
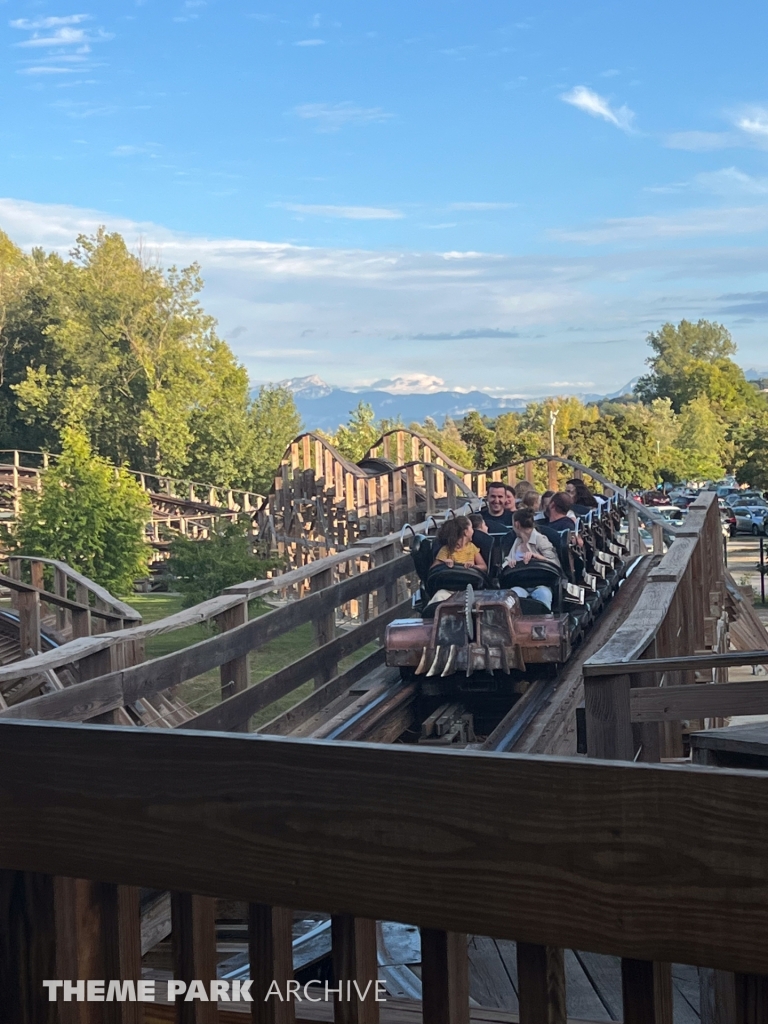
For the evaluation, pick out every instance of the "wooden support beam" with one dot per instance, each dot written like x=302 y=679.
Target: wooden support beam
x=194 y=952
x=353 y=949
x=444 y=977
x=541 y=984
x=609 y=728
x=28 y=607
x=233 y=674
x=121 y=930
x=325 y=628
x=646 y=990
x=751 y=998
x=271 y=957
x=27 y=947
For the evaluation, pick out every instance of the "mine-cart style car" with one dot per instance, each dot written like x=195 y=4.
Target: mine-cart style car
x=474 y=633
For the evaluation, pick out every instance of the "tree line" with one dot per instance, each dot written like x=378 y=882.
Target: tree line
x=693 y=416
x=107 y=344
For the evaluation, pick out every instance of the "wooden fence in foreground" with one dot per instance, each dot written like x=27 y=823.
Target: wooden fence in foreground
x=656 y=864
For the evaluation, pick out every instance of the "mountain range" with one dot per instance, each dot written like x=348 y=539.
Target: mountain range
x=412 y=398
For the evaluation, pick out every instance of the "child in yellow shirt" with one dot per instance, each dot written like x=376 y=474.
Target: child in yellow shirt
x=455 y=537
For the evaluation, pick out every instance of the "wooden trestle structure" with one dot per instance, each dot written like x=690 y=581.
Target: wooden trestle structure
x=657 y=864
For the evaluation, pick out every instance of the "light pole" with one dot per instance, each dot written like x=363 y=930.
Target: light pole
x=552 y=421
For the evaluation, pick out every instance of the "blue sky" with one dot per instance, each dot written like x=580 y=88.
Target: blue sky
x=501 y=195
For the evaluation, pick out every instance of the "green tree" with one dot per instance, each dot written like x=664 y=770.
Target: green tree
x=479 y=439
x=359 y=434
x=751 y=453
x=273 y=422
x=109 y=343
x=447 y=438
x=87 y=514
x=692 y=360
x=203 y=568
x=702 y=441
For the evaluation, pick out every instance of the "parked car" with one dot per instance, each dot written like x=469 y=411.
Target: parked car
x=671 y=513
x=749 y=519
x=746 y=498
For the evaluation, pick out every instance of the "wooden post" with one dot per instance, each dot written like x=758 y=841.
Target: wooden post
x=646 y=990
x=528 y=469
x=28 y=605
x=81 y=620
x=121 y=929
x=234 y=674
x=194 y=952
x=541 y=984
x=551 y=475
x=609 y=729
x=27 y=947
x=270 y=936
x=353 y=948
x=325 y=627
x=444 y=977
x=60 y=588
x=751 y=998
x=657 y=532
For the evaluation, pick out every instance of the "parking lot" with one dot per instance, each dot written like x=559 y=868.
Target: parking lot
x=743 y=558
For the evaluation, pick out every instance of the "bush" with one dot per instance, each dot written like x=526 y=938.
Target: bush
x=88 y=515
x=203 y=568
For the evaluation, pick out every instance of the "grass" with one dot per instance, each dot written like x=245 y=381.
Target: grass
x=204 y=691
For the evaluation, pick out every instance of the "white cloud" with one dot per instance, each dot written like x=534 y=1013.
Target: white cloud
x=730 y=181
x=597 y=106
x=310 y=42
x=754 y=121
x=368 y=306
x=47 y=69
x=70 y=19
x=688 y=224
x=411 y=384
x=481 y=206
x=343 y=212
x=699 y=142
x=331 y=117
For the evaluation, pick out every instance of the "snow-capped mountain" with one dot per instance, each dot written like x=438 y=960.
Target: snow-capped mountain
x=411 y=397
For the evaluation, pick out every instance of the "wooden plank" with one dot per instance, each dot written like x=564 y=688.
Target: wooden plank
x=683 y=663
x=271 y=959
x=734 y=739
x=541 y=984
x=194 y=952
x=238 y=709
x=259 y=819
x=609 y=730
x=117 y=689
x=707 y=700
x=27 y=947
x=646 y=992
x=300 y=713
x=444 y=977
x=353 y=951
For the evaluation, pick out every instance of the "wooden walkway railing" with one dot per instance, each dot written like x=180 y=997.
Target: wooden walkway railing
x=364 y=579
x=652 y=864
x=681 y=609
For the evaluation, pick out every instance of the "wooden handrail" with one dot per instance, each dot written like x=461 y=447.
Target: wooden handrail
x=119 y=608
x=683 y=663
x=116 y=689
x=499 y=845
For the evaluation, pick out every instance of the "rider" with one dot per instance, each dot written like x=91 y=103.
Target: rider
x=457 y=549
x=531 y=546
x=497 y=516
